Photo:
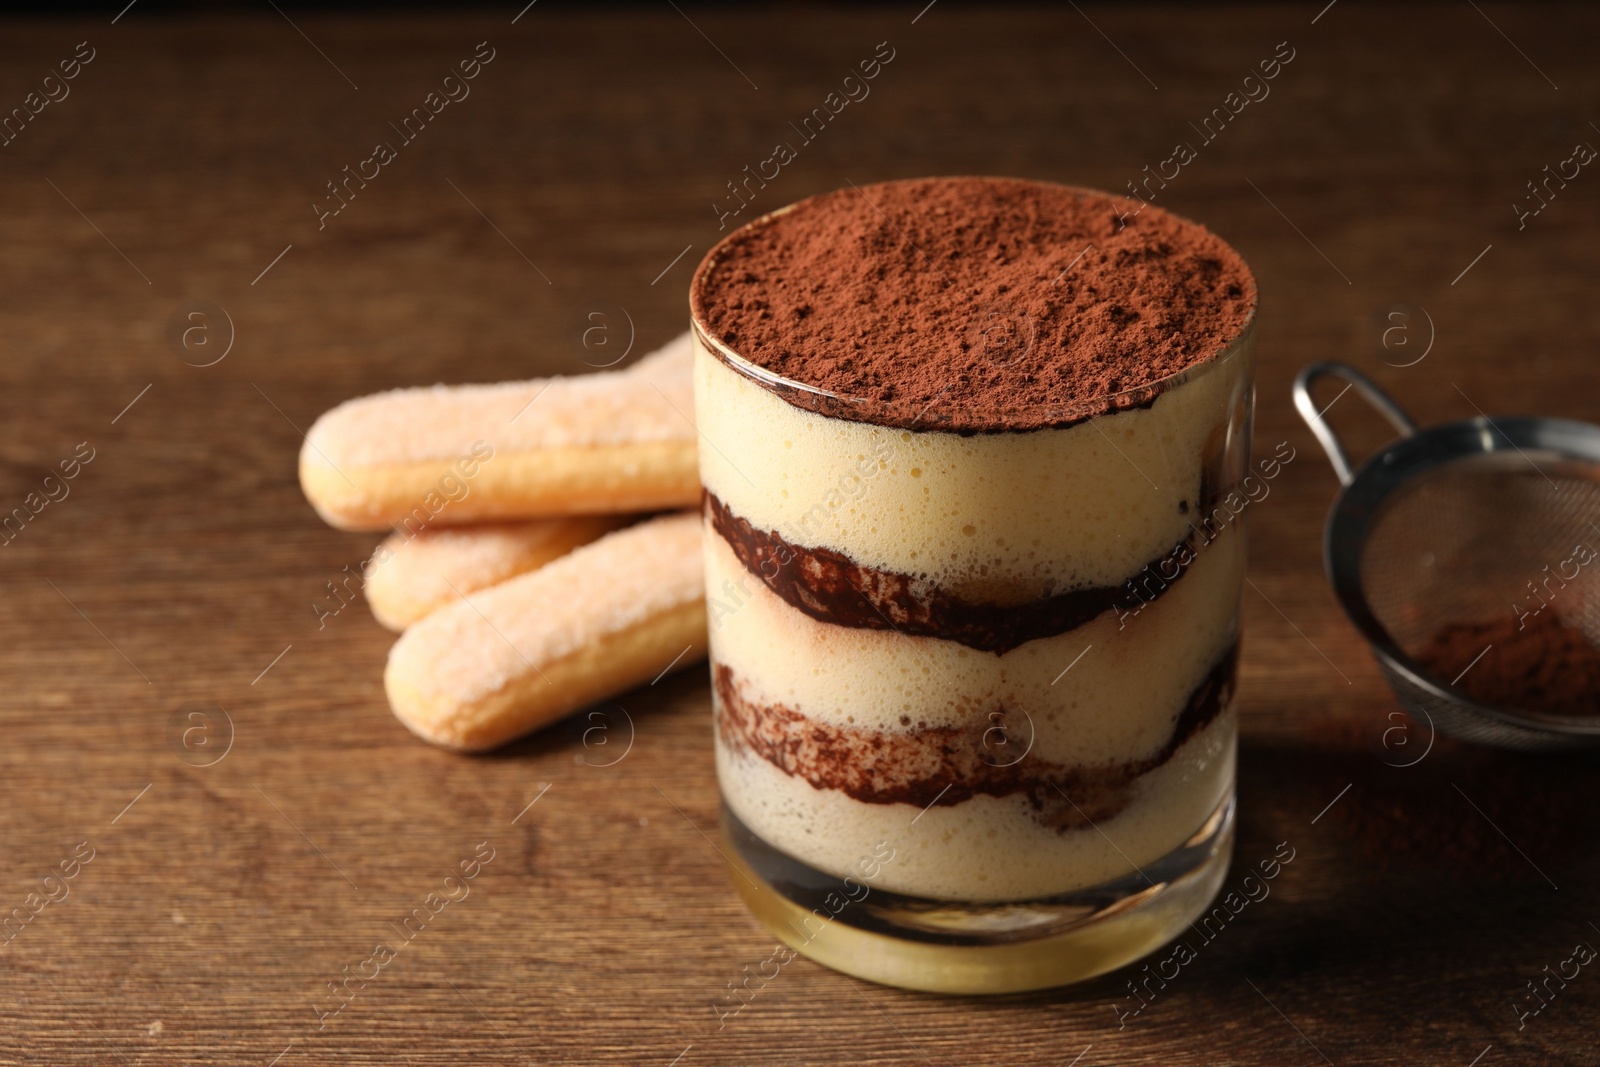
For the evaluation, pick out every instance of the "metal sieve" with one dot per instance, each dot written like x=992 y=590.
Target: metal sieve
x=1461 y=522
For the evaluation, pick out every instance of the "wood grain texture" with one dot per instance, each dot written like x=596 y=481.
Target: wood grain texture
x=184 y=561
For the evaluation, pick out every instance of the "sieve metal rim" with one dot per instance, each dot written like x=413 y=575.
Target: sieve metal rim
x=1365 y=488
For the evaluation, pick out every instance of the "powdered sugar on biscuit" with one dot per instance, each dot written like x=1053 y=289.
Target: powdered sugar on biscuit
x=475 y=647
x=653 y=401
x=412 y=573
x=668 y=363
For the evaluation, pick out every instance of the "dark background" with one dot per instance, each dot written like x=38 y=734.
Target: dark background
x=180 y=574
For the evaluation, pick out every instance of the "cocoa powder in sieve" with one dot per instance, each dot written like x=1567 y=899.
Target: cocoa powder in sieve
x=973 y=304
x=1541 y=664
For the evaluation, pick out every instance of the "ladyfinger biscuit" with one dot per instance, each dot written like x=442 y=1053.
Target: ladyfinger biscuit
x=410 y=576
x=616 y=441
x=519 y=655
x=672 y=360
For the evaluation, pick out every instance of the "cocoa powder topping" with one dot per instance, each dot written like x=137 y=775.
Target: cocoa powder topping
x=973 y=304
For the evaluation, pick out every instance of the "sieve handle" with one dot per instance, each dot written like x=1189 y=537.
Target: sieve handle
x=1313 y=416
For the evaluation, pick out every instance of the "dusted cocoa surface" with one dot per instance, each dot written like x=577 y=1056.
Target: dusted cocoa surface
x=973 y=304
x=947 y=765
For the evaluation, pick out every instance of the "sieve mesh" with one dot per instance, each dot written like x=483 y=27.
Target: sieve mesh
x=1480 y=537
x=1481 y=526
x=1469 y=539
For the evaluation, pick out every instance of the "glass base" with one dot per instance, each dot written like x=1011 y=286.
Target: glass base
x=950 y=947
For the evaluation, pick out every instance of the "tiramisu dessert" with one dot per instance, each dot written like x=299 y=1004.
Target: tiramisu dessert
x=971 y=451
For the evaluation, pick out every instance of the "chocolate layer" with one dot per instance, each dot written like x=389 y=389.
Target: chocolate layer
x=943 y=765
x=831 y=587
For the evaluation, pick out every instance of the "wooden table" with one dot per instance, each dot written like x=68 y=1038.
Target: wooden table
x=172 y=589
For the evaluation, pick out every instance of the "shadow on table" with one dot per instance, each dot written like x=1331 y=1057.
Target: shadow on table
x=605 y=733
x=1411 y=887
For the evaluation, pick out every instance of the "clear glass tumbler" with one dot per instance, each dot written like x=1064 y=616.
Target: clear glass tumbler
x=986 y=788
